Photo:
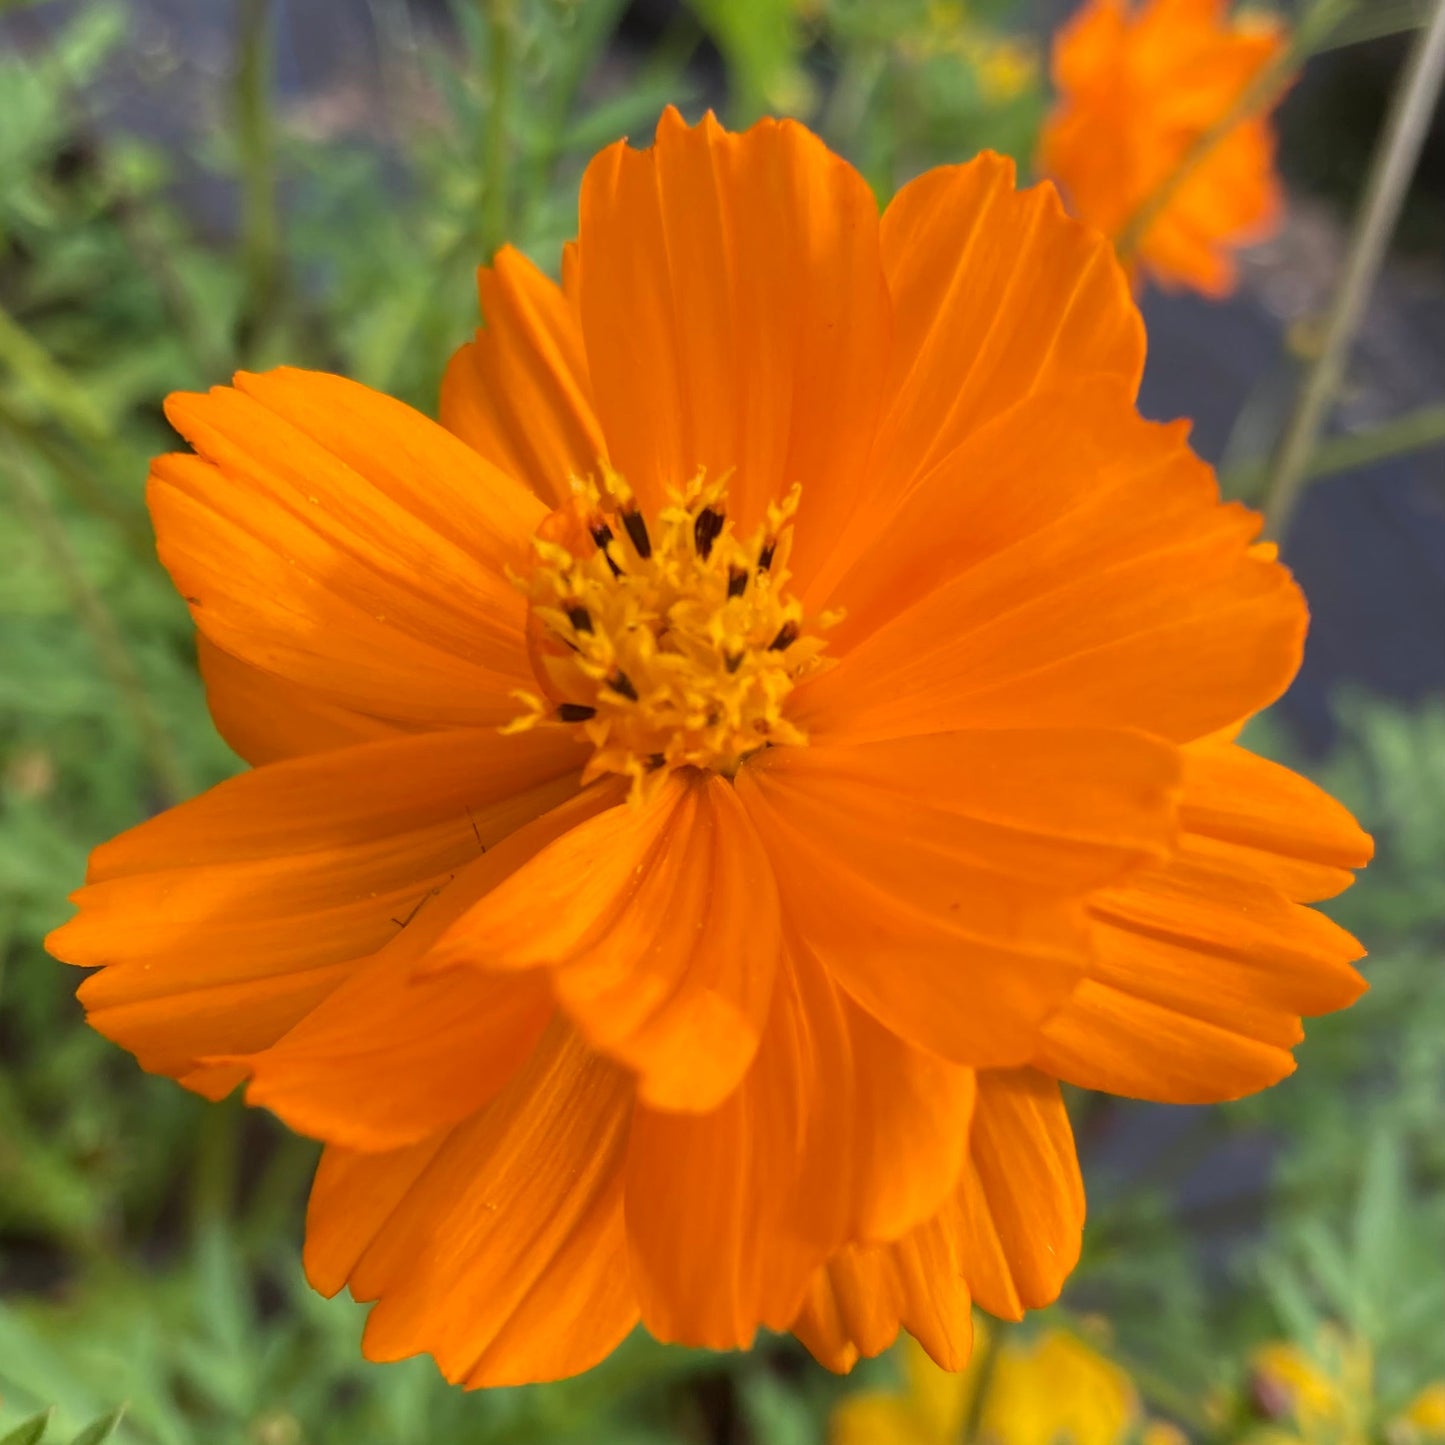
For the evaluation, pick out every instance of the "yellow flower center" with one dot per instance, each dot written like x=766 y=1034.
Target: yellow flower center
x=666 y=642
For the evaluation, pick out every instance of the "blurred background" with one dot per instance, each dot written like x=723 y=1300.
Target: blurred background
x=189 y=186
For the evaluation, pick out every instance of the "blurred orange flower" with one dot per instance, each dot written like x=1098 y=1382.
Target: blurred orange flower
x=710 y=789
x=1138 y=86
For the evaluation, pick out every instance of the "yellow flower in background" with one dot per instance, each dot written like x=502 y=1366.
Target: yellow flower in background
x=1050 y=1390
x=931 y=1409
x=1325 y=1395
x=1057 y=1389
x=1424 y=1417
x=1324 y=1392
x=1003 y=65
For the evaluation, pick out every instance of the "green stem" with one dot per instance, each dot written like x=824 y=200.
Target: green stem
x=495 y=218
x=216 y=1166
x=987 y=1366
x=170 y=779
x=1385 y=18
x=280 y=1191
x=595 y=24
x=847 y=103
x=1412 y=432
x=260 y=219
x=1268 y=85
x=1390 y=173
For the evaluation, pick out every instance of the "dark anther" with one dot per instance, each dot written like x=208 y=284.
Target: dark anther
x=787 y=636
x=575 y=711
x=637 y=530
x=765 y=557
x=705 y=528
x=602 y=535
x=737 y=581
x=620 y=682
x=733 y=661
x=580 y=618
x=655 y=761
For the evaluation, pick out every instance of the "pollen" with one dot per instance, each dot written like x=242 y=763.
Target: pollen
x=666 y=641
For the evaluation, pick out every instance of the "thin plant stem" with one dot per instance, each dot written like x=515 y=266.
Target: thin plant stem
x=1391 y=169
x=255 y=135
x=847 y=105
x=501 y=18
x=169 y=778
x=1313 y=31
x=280 y=1191
x=1383 y=18
x=595 y=25
x=986 y=1367
x=216 y=1165
x=1413 y=432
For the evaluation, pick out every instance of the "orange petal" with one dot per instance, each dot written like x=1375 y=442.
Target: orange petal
x=858 y=1302
x=1232 y=199
x=1204 y=966
x=900 y=1127
x=1117 y=1043
x=1197 y=989
x=729 y=1213
x=1146 y=84
x=1275 y=824
x=1068 y=809
x=735 y=313
x=390 y=1056
x=1019 y=1212
x=1063 y=477
x=223 y=921
x=519 y=394
x=947 y=952
x=660 y=925
x=997 y=295
x=1007 y=1238
x=839 y=1131
x=499 y=1247
x=1135 y=602
x=386 y=1060
x=335 y=538
x=265 y=718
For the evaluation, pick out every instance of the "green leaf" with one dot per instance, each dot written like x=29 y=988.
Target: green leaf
x=1379 y=1218
x=29 y=1431
x=100 y=1430
x=759 y=40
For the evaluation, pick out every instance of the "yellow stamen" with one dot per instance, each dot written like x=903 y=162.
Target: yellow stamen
x=670 y=642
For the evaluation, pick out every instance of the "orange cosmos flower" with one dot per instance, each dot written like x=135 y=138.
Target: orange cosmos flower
x=1138 y=86
x=709 y=790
